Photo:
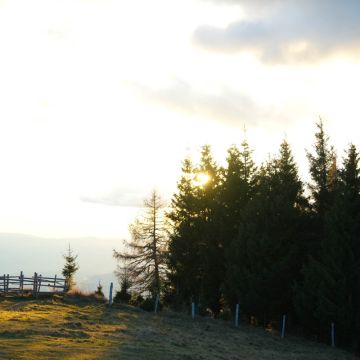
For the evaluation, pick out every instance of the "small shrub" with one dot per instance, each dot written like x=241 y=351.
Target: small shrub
x=149 y=305
x=99 y=291
x=136 y=299
x=225 y=314
x=122 y=297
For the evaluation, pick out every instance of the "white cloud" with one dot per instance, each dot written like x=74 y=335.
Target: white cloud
x=293 y=31
x=226 y=106
x=125 y=196
x=71 y=127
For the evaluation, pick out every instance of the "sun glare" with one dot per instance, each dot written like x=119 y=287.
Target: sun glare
x=201 y=179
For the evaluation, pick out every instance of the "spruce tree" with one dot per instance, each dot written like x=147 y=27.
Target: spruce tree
x=183 y=260
x=195 y=249
x=99 y=290
x=323 y=172
x=123 y=276
x=324 y=175
x=269 y=240
x=236 y=187
x=236 y=190
x=211 y=244
x=70 y=268
x=330 y=292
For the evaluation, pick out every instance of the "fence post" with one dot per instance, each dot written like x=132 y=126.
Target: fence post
x=35 y=284
x=7 y=283
x=156 y=303
x=54 y=283
x=21 y=283
x=237 y=315
x=283 y=326
x=111 y=294
x=332 y=334
x=4 y=285
x=39 y=285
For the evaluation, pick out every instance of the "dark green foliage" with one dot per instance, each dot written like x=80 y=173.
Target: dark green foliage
x=268 y=244
x=70 y=268
x=183 y=261
x=330 y=292
x=123 y=295
x=236 y=190
x=251 y=236
x=210 y=241
x=136 y=299
x=196 y=261
x=322 y=171
x=148 y=304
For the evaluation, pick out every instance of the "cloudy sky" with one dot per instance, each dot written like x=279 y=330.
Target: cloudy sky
x=100 y=100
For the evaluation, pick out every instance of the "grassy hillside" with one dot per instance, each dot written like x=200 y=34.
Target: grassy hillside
x=57 y=329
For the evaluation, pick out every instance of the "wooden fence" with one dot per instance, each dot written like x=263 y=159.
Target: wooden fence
x=35 y=285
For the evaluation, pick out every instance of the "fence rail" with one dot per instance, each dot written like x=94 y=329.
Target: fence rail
x=36 y=284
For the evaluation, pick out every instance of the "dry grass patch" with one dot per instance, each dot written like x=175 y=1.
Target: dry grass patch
x=82 y=329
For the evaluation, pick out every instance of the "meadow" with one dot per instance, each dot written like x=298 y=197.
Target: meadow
x=57 y=328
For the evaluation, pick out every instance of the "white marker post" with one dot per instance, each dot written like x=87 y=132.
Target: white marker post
x=156 y=303
x=237 y=315
x=283 y=326
x=111 y=294
x=193 y=310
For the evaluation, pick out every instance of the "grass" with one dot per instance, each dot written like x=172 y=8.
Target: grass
x=80 y=329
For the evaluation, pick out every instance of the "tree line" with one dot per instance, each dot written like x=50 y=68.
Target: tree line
x=257 y=236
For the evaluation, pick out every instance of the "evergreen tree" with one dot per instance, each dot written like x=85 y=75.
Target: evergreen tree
x=330 y=292
x=195 y=249
x=184 y=264
x=99 y=290
x=269 y=243
x=70 y=268
x=236 y=188
x=211 y=245
x=235 y=192
x=146 y=259
x=322 y=171
x=123 y=277
x=322 y=166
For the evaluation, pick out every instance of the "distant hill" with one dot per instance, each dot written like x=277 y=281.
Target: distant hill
x=44 y=255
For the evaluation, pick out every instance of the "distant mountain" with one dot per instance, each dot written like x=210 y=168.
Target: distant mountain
x=23 y=252
x=89 y=284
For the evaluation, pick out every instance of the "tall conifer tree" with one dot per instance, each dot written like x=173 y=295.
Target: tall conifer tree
x=235 y=193
x=196 y=255
x=269 y=239
x=184 y=264
x=323 y=172
x=330 y=292
x=210 y=242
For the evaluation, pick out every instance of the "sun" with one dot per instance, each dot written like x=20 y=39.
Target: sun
x=201 y=179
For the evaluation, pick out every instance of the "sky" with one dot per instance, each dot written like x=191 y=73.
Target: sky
x=101 y=100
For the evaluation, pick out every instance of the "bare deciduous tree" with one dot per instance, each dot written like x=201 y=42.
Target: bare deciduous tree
x=144 y=260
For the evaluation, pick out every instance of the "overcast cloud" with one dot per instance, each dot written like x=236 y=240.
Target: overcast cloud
x=291 y=31
x=228 y=106
x=121 y=196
